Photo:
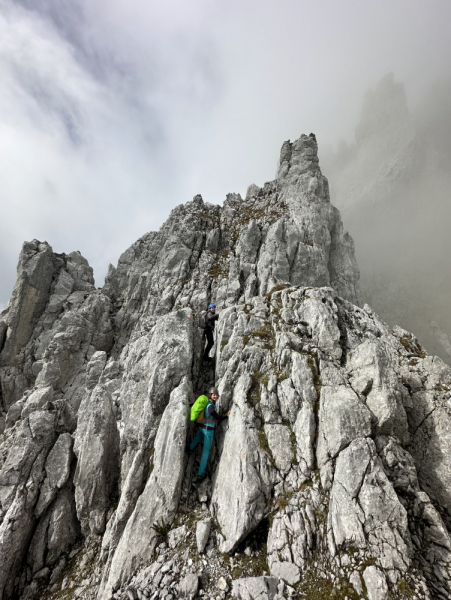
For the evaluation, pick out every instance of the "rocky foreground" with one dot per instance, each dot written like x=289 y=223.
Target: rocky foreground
x=332 y=477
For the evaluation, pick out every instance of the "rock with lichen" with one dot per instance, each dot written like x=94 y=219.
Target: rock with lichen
x=330 y=476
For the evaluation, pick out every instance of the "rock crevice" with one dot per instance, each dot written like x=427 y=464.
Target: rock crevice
x=332 y=472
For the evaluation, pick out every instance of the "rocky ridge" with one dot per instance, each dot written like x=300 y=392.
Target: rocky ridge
x=330 y=479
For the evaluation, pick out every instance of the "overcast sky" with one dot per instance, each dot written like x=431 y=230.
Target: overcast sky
x=114 y=112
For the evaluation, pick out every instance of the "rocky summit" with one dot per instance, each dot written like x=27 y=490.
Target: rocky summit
x=330 y=479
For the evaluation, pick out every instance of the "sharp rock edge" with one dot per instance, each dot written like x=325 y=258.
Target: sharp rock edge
x=330 y=479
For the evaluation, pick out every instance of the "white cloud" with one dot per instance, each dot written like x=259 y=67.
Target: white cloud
x=112 y=112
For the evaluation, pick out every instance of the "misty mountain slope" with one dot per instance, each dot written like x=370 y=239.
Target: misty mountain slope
x=393 y=188
x=331 y=477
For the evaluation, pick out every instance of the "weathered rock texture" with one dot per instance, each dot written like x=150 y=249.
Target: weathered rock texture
x=331 y=476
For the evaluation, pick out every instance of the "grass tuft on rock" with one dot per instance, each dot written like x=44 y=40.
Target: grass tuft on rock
x=278 y=288
x=314 y=587
x=161 y=529
x=405 y=589
x=265 y=446
x=413 y=348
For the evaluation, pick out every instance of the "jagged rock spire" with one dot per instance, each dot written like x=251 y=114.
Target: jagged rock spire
x=332 y=470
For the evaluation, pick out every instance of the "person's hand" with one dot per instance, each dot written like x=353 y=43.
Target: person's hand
x=228 y=414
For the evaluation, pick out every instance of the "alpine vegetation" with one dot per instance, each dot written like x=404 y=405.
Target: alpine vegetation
x=331 y=476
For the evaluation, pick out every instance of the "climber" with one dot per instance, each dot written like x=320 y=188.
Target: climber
x=210 y=319
x=207 y=421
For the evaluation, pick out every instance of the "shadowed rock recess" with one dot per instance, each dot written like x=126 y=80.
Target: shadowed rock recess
x=332 y=477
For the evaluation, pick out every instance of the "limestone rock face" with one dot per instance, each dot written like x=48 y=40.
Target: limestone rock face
x=97 y=450
x=57 y=468
x=159 y=500
x=29 y=298
x=331 y=473
x=251 y=588
x=287 y=231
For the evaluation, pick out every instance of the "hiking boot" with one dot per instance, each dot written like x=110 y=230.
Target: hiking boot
x=201 y=478
x=188 y=449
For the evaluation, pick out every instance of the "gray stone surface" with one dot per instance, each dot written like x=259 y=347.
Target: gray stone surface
x=20 y=478
x=97 y=450
x=94 y=369
x=56 y=532
x=253 y=588
x=37 y=400
x=202 y=533
x=279 y=440
x=188 y=586
x=242 y=482
x=365 y=510
x=222 y=585
x=287 y=571
x=374 y=377
x=30 y=295
x=159 y=500
x=356 y=582
x=336 y=453
x=342 y=418
x=376 y=584
x=175 y=536
x=57 y=469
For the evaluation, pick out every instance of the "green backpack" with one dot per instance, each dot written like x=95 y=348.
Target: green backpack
x=198 y=407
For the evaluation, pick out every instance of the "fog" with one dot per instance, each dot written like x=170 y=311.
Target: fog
x=112 y=113
x=393 y=186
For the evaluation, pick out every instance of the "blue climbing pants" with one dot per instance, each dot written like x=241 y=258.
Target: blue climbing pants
x=207 y=435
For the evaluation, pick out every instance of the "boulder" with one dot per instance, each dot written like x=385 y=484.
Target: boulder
x=253 y=588
x=376 y=584
x=287 y=571
x=188 y=587
x=202 y=534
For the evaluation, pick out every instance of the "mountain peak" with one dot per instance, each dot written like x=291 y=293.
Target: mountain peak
x=384 y=108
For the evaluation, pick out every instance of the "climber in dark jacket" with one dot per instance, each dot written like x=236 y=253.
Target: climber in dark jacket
x=210 y=319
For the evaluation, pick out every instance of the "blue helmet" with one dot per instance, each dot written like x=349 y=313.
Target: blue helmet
x=212 y=305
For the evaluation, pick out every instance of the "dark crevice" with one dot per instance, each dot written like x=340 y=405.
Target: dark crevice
x=3 y=331
x=205 y=376
x=423 y=420
x=256 y=540
x=368 y=388
x=242 y=284
x=343 y=331
x=260 y=244
x=209 y=291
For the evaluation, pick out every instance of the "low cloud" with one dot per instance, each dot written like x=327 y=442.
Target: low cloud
x=112 y=113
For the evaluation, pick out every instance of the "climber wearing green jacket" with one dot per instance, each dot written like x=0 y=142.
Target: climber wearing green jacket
x=207 y=422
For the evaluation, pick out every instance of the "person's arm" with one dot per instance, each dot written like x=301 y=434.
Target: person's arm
x=215 y=415
x=212 y=412
x=212 y=317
